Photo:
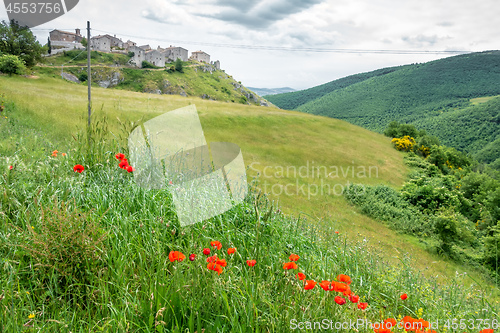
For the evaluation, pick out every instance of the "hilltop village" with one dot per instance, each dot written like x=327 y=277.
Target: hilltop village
x=63 y=41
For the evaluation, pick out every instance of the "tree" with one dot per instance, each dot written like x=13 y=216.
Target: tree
x=20 y=41
x=84 y=42
x=178 y=65
x=11 y=64
x=49 y=46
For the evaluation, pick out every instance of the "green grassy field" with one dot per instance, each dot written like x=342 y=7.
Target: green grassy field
x=275 y=144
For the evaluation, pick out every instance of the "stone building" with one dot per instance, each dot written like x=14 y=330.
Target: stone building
x=145 y=47
x=172 y=53
x=139 y=55
x=200 y=56
x=101 y=43
x=156 y=58
x=65 y=36
x=216 y=64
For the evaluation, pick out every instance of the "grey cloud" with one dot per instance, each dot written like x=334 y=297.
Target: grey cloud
x=422 y=40
x=260 y=14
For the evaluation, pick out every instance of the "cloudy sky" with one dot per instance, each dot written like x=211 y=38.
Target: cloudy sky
x=295 y=43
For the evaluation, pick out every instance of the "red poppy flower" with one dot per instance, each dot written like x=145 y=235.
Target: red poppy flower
x=130 y=168
x=214 y=267
x=301 y=276
x=325 y=285
x=487 y=330
x=404 y=296
x=78 y=168
x=221 y=262
x=390 y=323
x=212 y=258
x=294 y=257
x=120 y=156
x=176 y=255
x=344 y=278
x=11 y=167
x=206 y=252
x=231 y=250
x=336 y=232
x=362 y=306
x=381 y=330
x=290 y=265
x=339 y=300
x=339 y=287
x=63 y=154
x=251 y=263
x=310 y=284
x=347 y=291
x=192 y=257
x=354 y=298
x=54 y=153
x=123 y=164
x=216 y=244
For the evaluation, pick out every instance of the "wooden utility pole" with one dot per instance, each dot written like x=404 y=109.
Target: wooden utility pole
x=89 y=75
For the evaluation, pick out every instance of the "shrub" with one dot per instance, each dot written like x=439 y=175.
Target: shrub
x=405 y=143
x=147 y=64
x=83 y=77
x=11 y=64
x=178 y=66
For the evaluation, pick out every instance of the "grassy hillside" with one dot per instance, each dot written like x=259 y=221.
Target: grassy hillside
x=112 y=70
x=133 y=286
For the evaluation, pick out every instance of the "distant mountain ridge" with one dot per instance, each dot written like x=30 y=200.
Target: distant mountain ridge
x=436 y=92
x=271 y=91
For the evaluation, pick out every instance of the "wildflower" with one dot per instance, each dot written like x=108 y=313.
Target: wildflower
x=231 y=250
x=54 y=153
x=336 y=232
x=192 y=257
x=325 y=285
x=130 y=168
x=63 y=154
x=212 y=258
x=354 y=298
x=344 y=278
x=339 y=300
x=216 y=244
x=214 y=267
x=294 y=257
x=362 y=306
x=310 y=284
x=78 y=168
x=31 y=316
x=11 y=167
x=290 y=265
x=404 y=296
x=176 y=255
x=381 y=330
x=123 y=164
x=251 y=263
x=301 y=276
x=221 y=262
x=390 y=323
x=339 y=287
x=347 y=291
x=206 y=252
x=487 y=330
x=120 y=156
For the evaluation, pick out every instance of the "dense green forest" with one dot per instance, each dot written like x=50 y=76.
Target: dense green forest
x=292 y=100
x=434 y=96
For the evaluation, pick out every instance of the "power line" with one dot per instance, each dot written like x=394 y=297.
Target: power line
x=293 y=49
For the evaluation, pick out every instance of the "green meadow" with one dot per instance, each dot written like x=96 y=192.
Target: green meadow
x=117 y=275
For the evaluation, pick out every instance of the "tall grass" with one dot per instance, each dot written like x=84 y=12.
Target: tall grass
x=134 y=287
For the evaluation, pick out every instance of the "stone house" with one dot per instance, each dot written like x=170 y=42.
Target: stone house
x=156 y=58
x=65 y=36
x=145 y=47
x=172 y=53
x=216 y=64
x=200 y=56
x=139 y=55
x=101 y=43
